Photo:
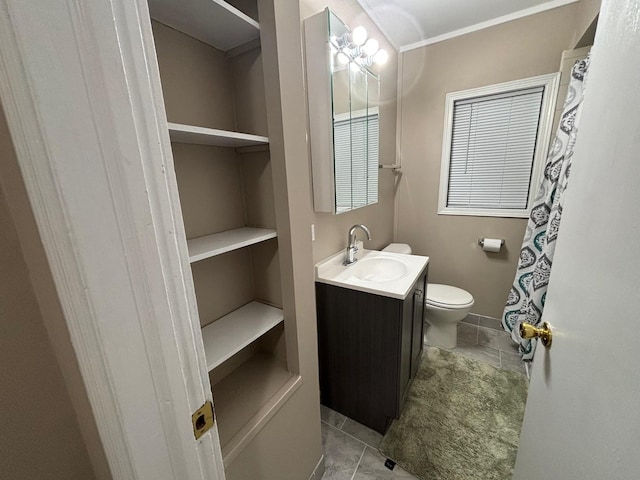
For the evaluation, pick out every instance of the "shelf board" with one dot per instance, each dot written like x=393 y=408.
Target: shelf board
x=223 y=242
x=214 y=22
x=247 y=399
x=210 y=136
x=228 y=335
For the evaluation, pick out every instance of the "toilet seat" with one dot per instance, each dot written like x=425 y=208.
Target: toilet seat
x=447 y=296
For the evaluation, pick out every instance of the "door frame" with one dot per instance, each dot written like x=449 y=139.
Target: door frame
x=80 y=89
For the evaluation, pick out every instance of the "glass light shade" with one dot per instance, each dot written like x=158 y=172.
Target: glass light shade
x=381 y=57
x=343 y=58
x=371 y=47
x=359 y=35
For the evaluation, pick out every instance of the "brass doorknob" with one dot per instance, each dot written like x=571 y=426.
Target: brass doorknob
x=543 y=332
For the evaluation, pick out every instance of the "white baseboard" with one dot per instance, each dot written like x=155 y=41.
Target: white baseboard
x=318 y=472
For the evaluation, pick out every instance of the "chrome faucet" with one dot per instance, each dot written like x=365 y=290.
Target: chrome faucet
x=350 y=255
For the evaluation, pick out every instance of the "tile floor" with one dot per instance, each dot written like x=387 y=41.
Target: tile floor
x=484 y=339
x=351 y=449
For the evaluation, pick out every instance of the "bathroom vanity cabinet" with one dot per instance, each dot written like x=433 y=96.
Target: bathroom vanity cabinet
x=370 y=347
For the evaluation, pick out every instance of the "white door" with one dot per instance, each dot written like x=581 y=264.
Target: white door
x=80 y=89
x=582 y=419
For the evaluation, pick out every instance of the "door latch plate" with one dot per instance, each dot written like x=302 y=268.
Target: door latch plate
x=202 y=419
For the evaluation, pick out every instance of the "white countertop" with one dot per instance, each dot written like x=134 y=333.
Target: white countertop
x=333 y=272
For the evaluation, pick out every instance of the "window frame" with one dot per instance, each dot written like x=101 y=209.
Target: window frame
x=550 y=83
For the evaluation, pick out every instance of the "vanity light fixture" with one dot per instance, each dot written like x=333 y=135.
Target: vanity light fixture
x=356 y=48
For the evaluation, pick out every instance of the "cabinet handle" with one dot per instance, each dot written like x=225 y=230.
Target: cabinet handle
x=418 y=293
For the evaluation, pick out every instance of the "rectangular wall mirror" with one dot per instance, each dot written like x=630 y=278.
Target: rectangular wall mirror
x=343 y=100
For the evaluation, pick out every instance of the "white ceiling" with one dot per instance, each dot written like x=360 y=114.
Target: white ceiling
x=413 y=23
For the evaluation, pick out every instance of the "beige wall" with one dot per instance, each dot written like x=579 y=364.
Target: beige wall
x=585 y=23
x=522 y=48
x=289 y=447
x=331 y=230
x=40 y=435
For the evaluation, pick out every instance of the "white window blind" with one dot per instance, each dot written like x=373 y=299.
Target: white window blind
x=356 y=161
x=342 y=164
x=493 y=144
x=373 y=161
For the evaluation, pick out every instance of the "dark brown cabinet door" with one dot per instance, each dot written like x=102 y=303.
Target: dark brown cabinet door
x=359 y=338
x=405 y=350
x=369 y=348
x=417 y=340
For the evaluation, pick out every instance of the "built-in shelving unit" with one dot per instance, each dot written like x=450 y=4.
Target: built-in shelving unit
x=245 y=348
x=210 y=136
x=228 y=335
x=223 y=242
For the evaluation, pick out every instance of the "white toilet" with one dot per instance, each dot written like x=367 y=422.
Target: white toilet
x=398 y=248
x=446 y=306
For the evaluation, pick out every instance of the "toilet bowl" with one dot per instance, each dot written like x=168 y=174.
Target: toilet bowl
x=445 y=307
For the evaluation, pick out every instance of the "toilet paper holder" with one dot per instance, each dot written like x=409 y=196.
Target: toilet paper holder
x=481 y=242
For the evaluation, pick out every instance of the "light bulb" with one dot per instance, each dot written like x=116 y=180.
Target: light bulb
x=354 y=67
x=343 y=58
x=359 y=35
x=381 y=57
x=371 y=47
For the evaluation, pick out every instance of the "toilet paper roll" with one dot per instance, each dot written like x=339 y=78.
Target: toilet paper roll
x=491 y=244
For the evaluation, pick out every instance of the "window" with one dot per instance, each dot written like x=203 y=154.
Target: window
x=494 y=148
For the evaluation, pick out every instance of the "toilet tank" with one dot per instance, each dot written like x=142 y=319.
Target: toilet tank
x=398 y=248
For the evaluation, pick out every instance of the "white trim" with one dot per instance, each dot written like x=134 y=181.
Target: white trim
x=209 y=246
x=489 y=23
x=192 y=134
x=550 y=83
x=318 y=472
x=80 y=87
x=228 y=335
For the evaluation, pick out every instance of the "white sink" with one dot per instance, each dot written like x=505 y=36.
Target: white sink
x=380 y=273
x=378 y=269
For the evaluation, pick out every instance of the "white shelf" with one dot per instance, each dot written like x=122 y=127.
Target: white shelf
x=223 y=242
x=210 y=136
x=215 y=22
x=248 y=398
x=228 y=335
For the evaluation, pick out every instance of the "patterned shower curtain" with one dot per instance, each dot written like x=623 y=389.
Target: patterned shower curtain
x=527 y=295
